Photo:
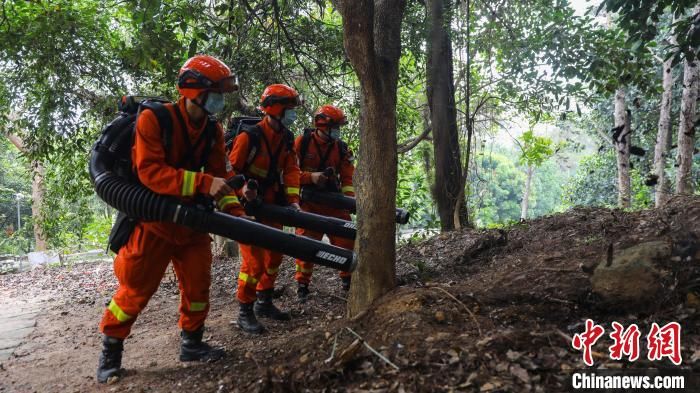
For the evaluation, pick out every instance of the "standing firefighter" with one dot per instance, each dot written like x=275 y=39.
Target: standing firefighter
x=265 y=153
x=189 y=162
x=326 y=163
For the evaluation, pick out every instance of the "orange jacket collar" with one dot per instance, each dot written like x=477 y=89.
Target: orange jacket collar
x=192 y=129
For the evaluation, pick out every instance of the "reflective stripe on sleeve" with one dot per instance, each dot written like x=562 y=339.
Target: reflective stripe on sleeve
x=293 y=191
x=258 y=171
x=198 y=306
x=303 y=270
x=347 y=189
x=228 y=200
x=118 y=312
x=188 y=183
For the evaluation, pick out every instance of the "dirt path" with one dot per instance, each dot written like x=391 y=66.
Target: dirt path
x=61 y=353
x=476 y=311
x=17 y=321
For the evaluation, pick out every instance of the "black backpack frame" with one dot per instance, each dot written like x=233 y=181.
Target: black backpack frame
x=304 y=148
x=125 y=126
x=249 y=125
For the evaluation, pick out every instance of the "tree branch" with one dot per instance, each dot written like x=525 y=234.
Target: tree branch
x=17 y=141
x=409 y=145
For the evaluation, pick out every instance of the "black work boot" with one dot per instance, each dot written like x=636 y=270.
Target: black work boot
x=192 y=348
x=265 y=309
x=345 y=283
x=247 y=320
x=110 y=364
x=302 y=292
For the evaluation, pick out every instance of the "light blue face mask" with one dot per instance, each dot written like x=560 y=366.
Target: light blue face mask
x=214 y=103
x=334 y=133
x=289 y=117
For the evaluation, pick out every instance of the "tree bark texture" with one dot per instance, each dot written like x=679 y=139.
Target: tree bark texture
x=526 y=194
x=37 y=202
x=441 y=100
x=372 y=40
x=686 y=130
x=622 y=136
x=663 y=136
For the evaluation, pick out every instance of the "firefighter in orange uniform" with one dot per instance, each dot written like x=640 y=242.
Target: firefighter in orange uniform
x=195 y=164
x=266 y=153
x=326 y=163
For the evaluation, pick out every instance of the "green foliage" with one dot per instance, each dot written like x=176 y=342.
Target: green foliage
x=595 y=184
x=498 y=201
x=14 y=179
x=641 y=19
x=547 y=189
x=535 y=150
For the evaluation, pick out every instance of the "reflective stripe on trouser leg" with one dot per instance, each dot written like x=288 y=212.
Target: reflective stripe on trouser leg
x=271 y=264
x=252 y=265
x=304 y=270
x=139 y=267
x=273 y=260
x=192 y=264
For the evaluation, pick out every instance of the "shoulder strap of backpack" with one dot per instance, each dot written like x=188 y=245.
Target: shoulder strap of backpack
x=211 y=131
x=254 y=134
x=304 y=147
x=164 y=120
x=344 y=149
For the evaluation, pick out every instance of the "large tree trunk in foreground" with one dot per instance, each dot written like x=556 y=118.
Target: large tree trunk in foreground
x=37 y=194
x=526 y=194
x=686 y=130
x=664 y=135
x=372 y=38
x=441 y=99
x=622 y=140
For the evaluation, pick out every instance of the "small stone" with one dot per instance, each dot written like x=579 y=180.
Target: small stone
x=513 y=355
x=327 y=335
x=440 y=316
x=112 y=380
x=304 y=358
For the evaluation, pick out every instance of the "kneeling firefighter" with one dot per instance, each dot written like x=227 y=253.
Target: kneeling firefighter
x=265 y=152
x=327 y=165
x=178 y=151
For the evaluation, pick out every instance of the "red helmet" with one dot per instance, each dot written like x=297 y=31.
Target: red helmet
x=205 y=73
x=276 y=98
x=327 y=116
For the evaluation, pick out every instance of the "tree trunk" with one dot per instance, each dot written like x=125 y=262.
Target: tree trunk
x=441 y=99
x=526 y=195
x=37 y=194
x=37 y=202
x=372 y=39
x=663 y=136
x=621 y=139
x=686 y=130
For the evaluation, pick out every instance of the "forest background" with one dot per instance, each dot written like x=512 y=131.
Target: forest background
x=549 y=97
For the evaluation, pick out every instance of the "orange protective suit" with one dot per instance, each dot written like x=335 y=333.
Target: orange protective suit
x=259 y=267
x=317 y=150
x=141 y=263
